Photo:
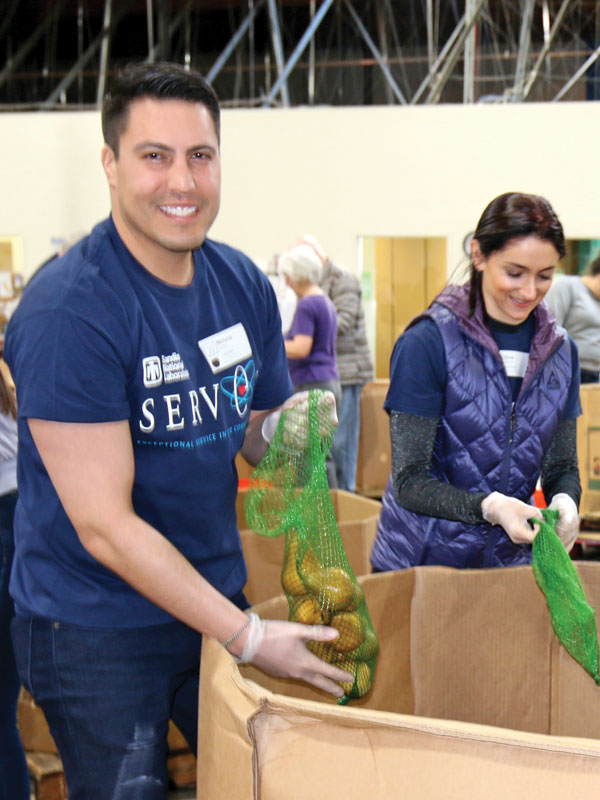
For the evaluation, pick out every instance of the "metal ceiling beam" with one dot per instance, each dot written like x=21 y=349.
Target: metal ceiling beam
x=581 y=71
x=299 y=49
x=516 y=92
x=89 y=53
x=469 y=59
x=281 y=82
x=176 y=23
x=441 y=79
x=30 y=43
x=546 y=48
x=439 y=61
x=8 y=15
x=376 y=54
x=234 y=41
x=103 y=53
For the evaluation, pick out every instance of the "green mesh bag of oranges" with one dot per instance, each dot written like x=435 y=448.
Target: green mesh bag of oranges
x=289 y=496
x=572 y=617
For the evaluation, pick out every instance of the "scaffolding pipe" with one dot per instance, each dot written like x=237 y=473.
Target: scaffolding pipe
x=545 y=49
x=311 y=58
x=581 y=71
x=524 y=43
x=299 y=49
x=150 y=28
x=441 y=80
x=104 y=53
x=172 y=28
x=234 y=41
x=89 y=53
x=376 y=54
x=28 y=46
x=439 y=60
x=281 y=82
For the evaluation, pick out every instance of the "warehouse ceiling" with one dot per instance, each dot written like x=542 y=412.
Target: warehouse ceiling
x=57 y=54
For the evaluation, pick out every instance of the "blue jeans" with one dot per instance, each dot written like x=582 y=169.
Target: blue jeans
x=345 y=440
x=14 y=776
x=108 y=694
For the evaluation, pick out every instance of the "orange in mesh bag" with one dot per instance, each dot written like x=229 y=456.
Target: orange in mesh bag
x=289 y=495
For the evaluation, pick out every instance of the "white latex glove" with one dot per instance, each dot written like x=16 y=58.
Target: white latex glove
x=279 y=648
x=567 y=526
x=296 y=432
x=512 y=515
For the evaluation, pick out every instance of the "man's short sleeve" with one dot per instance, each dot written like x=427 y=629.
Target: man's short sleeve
x=66 y=367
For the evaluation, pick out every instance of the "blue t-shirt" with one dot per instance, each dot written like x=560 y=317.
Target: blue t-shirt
x=418 y=367
x=315 y=317
x=97 y=338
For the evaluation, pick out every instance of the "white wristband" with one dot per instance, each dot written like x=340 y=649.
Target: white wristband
x=253 y=640
x=269 y=426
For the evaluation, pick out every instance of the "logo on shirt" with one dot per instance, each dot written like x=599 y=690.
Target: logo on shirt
x=163 y=369
x=152 y=371
x=239 y=386
x=553 y=382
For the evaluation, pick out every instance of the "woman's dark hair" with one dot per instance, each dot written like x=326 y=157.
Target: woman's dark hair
x=594 y=266
x=160 y=81
x=508 y=217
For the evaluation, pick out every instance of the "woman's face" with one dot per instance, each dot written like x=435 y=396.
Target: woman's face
x=515 y=279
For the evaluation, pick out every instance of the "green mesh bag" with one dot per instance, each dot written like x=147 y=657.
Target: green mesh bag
x=572 y=617
x=289 y=495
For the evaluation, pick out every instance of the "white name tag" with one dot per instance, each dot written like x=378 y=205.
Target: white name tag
x=226 y=348
x=515 y=363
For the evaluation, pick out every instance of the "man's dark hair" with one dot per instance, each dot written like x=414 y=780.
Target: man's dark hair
x=160 y=81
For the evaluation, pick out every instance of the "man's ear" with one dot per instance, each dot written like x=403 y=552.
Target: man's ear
x=477 y=257
x=109 y=161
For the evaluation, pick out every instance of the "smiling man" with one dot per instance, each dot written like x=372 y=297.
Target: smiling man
x=144 y=360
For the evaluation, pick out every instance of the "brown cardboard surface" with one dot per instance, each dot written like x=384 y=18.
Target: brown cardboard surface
x=588 y=449
x=357 y=523
x=473 y=698
x=374 y=448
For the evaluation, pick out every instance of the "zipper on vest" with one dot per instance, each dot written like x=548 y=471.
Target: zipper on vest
x=512 y=423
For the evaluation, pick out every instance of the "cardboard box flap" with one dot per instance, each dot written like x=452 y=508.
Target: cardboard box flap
x=486 y=634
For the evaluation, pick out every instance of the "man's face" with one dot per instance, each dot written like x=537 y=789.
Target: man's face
x=165 y=184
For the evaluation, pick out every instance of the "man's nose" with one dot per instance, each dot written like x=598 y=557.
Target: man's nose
x=181 y=178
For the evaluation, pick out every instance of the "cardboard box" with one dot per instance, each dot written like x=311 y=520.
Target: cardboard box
x=357 y=523
x=473 y=698
x=374 y=448
x=588 y=449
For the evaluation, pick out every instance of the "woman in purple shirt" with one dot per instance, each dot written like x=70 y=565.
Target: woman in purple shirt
x=310 y=341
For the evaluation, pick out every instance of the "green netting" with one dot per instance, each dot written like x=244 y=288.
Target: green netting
x=289 y=495
x=572 y=617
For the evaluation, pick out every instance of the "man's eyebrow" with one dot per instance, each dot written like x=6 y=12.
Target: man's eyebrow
x=167 y=149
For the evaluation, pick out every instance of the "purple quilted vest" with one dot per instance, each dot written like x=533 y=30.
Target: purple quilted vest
x=483 y=443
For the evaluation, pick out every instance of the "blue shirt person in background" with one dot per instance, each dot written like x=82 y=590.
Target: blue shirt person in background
x=145 y=358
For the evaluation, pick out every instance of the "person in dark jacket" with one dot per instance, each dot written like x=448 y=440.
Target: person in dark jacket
x=483 y=401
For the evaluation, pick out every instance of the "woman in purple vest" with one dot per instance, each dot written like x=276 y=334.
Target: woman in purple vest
x=310 y=341
x=483 y=401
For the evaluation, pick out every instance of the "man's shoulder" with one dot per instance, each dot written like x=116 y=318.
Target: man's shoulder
x=340 y=279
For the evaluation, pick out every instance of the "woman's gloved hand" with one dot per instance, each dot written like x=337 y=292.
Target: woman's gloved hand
x=512 y=515
x=567 y=526
x=296 y=432
x=279 y=648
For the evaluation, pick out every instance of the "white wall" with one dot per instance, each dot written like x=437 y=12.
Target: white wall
x=337 y=173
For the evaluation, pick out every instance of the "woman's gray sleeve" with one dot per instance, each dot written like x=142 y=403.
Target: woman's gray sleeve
x=413 y=438
x=560 y=470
